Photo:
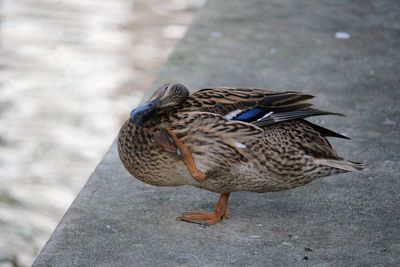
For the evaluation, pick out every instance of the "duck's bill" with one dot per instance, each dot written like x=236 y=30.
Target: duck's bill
x=143 y=113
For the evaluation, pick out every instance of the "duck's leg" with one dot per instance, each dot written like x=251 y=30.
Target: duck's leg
x=210 y=218
x=187 y=157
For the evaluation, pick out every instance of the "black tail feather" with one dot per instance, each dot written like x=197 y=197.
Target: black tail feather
x=325 y=132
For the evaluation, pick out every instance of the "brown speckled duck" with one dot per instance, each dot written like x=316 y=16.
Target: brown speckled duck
x=226 y=140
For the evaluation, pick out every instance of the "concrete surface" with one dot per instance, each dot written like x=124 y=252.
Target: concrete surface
x=345 y=220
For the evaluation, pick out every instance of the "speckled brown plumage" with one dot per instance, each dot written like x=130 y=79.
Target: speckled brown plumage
x=276 y=152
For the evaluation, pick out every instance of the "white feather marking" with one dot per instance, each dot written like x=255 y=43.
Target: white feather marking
x=233 y=114
x=238 y=144
x=266 y=115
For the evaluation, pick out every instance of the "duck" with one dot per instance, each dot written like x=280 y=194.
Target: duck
x=226 y=140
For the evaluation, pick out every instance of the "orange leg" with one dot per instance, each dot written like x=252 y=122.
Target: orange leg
x=210 y=218
x=188 y=158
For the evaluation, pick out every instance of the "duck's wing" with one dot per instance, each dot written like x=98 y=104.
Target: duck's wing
x=257 y=106
x=235 y=116
x=231 y=102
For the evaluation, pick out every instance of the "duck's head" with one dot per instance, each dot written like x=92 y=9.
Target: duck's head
x=164 y=99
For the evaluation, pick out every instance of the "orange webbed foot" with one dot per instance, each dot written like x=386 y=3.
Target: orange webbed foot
x=209 y=218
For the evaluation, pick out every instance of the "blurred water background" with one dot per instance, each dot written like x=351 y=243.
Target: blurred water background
x=70 y=70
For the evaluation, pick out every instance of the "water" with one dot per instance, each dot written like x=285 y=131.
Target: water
x=70 y=71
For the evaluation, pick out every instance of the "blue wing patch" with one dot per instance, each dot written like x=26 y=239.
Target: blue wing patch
x=250 y=115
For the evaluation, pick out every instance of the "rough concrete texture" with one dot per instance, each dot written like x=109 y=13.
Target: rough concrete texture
x=351 y=219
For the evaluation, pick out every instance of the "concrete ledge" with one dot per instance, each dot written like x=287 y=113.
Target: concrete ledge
x=343 y=220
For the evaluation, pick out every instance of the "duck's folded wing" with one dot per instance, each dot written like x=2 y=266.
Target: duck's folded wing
x=230 y=102
x=257 y=106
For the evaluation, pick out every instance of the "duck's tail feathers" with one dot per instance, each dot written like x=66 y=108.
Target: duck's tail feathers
x=342 y=164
